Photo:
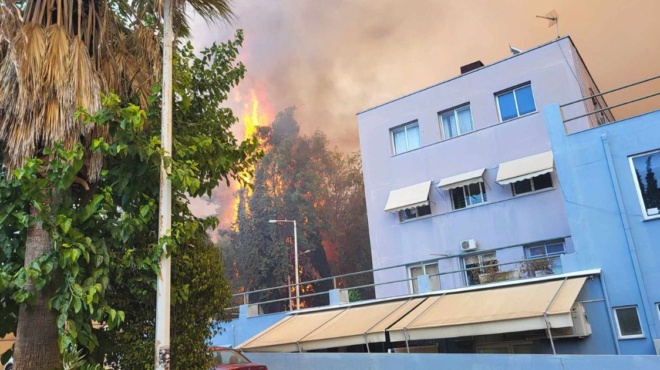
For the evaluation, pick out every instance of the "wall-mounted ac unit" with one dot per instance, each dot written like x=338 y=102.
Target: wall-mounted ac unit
x=581 y=327
x=468 y=245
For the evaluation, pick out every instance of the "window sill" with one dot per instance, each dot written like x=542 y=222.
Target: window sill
x=519 y=117
x=469 y=207
x=628 y=337
x=650 y=218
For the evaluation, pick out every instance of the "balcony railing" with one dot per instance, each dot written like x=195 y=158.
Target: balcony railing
x=486 y=273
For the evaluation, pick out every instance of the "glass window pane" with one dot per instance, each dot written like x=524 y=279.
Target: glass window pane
x=507 y=106
x=628 y=320
x=646 y=168
x=464 y=120
x=416 y=271
x=413 y=137
x=399 y=137
x=449 y=125
x=424 y=210
x=432 y=269
x=525 y=100
x=536 y=251
x=475 y=195
x=555 y=248
x=488 y=258
x=458 y=198
x=522 y=187
x=542 y=182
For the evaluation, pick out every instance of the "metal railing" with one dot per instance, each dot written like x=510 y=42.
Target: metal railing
x=607 y=110
x=485 y=273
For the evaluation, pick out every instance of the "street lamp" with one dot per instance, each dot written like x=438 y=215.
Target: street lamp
x=295 y=254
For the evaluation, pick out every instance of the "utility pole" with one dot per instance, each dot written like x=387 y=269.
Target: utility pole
x=295 y=257
x=165 y=200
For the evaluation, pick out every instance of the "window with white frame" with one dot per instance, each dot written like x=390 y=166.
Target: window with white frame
x=430 y=269
x=552 y=251
x=457 y=121
x=405 y=138
x=531 y=185
x=410 y=213
x=627 y=322
x=479 y=264
x=468 y=195
x=515 y=102
x=646 y=169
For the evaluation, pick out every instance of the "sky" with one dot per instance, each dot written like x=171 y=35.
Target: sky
x=332 y=59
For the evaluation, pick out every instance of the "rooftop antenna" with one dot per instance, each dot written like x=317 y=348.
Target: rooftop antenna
x=553 y=19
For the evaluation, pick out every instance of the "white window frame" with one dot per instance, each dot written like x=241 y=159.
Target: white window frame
x=638 y=187
x=515 y=99
x=423 y=266
x=480 y=256
x=618 y=327
x=454 y=112
x=482 y=187
x=534 y=190
x=405 y=128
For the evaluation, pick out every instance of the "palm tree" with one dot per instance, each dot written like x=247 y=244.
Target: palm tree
x=56 y=56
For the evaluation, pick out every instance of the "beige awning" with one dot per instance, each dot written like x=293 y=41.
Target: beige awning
x=525 y=168
x=333 y=328
x=462 y=179
x=491 y=311
x=408 y=197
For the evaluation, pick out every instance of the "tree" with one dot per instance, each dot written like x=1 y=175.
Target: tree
x=300 y=179
x=52 y=62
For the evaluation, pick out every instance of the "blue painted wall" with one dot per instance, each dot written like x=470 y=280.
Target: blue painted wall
x=604 y=213
x=365 y=361
x=243 y=328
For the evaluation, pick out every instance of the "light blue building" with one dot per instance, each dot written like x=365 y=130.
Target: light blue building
x=610 y=191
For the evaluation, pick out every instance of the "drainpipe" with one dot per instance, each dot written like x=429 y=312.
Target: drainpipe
x=608 y=306
x=629 y=239
x=545 y=316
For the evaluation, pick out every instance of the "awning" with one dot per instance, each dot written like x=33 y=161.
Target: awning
x=332 y=328
x=462 y=179
x=524 y=168
x=408 y=197
x=491 y=311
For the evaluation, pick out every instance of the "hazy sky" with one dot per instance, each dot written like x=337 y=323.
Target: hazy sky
x=334 y=58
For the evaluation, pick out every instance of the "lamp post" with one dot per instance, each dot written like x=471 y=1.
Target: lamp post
x=295 y=254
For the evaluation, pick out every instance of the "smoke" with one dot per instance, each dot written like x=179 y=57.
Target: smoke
x=332 y=59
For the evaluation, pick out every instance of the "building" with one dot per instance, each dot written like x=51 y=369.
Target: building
x=441 y=169
x=609 y=176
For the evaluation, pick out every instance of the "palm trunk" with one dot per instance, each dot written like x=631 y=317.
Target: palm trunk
x=36 y=337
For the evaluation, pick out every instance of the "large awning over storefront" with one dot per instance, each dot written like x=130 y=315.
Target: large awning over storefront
x=491 y=311
x=408 y=197
x=515 y=307
x=332 y=328
x=525 y=168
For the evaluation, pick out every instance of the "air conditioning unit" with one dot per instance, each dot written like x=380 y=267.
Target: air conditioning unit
x=468 y=245
x=581 y=327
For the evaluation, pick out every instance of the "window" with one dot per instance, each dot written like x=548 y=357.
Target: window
x=627 y=321
x=427 y=269
x=456 y=122
x=530 y=185
x=410 y=213
x=406 y=138
x=542 y=266
x=480 y=264
x=644 y=168
x=516 y=102
x=468 y=195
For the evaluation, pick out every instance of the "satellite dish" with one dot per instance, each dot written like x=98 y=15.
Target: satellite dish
x=553 y=19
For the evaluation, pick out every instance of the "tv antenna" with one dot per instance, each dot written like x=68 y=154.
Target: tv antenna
x=553 y=19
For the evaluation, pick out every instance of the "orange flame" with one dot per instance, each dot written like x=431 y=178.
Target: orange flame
x=256 y=113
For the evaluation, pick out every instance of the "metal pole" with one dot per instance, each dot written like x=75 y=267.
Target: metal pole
x=295 y=250
x=162 y=350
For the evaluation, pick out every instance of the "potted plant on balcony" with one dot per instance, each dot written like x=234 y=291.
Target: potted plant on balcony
x=538 y=267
